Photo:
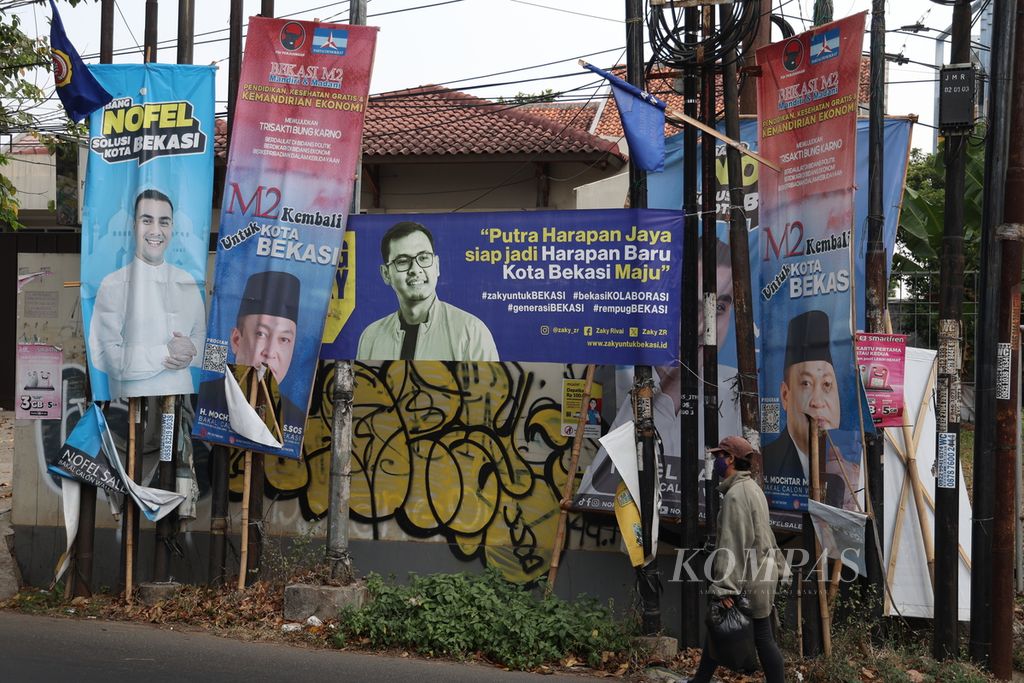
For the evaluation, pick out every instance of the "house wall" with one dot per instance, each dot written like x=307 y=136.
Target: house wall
x=34 y=176
x=496 y=186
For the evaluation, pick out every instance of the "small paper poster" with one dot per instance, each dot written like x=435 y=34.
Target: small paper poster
x=38 y=378
x=572 y=397
x=881 y=359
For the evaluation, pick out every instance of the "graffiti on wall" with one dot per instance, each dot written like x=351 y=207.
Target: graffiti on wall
x=469 y=454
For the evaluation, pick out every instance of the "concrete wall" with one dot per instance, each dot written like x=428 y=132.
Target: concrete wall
x=456 y=466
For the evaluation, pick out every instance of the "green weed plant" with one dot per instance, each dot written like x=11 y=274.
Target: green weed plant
x=461 y=615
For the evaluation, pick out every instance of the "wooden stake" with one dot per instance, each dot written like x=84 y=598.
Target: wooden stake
x=254 y=385
x=129 y=504
x=566 y=501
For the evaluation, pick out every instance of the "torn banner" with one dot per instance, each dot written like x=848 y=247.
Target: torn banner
x=90 y=456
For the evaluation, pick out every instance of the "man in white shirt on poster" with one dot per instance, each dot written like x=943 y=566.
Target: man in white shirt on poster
x=148 y=321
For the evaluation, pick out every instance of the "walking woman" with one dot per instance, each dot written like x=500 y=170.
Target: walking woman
x=746 y=559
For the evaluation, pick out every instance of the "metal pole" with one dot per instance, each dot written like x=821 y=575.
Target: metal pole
x=186 y=30
x=946 y=643
x=997 y=143
x=267 y=8
x=709 y=276
x=739 y=249
x=150 y=35
x=1010 y=234
x=875 y=301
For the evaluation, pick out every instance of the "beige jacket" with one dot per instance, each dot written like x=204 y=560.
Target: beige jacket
x=746 y=560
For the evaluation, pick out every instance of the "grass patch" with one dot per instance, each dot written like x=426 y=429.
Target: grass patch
x=461 y=615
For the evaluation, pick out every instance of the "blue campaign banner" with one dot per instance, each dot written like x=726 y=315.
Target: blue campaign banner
x=146 y=229
x=597 y=286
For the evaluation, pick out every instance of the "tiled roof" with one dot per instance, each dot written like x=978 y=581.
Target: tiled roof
x=577 y=115
x=659 y=84
x=435 y=121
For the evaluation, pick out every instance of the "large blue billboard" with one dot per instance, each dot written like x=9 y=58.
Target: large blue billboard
x=549 y=286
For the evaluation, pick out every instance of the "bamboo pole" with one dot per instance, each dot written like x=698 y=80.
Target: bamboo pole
x=566 y=501
x=826 y=619
x=911 y=465
x=833 y=586
x=897 y=533
x=129 y=505
x=254 y=385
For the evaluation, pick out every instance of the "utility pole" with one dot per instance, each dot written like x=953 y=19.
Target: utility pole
x=219 y=476
x=267 y=8
x=81 y=576
x=762 y=37
x=1010 y=234
x=648 y=578
x=739 y=249
x=186 y=30
x=709 y=275
x=996 y=149
x=150 y=34
x=689 y=382
x=946 y=643
x=338 y=556
x=875 y=292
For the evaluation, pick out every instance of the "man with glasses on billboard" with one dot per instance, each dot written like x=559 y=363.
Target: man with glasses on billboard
x=423 y=327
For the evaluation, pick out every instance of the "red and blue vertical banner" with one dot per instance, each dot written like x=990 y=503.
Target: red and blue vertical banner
x=807 y=122
x=146 y=229
x=297 y=132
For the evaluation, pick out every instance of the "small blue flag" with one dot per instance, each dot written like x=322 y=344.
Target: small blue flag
x=643 y=120
x=78 y=89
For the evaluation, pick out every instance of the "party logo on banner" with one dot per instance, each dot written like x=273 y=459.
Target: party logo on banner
x=146 y=229
x=807 y=118
x=297 y=132
x=550 y=286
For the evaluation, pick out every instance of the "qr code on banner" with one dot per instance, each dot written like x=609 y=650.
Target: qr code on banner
x=770 y=415
x=215 y=357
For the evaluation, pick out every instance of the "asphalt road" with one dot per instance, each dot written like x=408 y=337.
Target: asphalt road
x=34 y=648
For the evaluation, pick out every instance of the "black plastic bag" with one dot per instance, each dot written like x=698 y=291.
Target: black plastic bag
x=731 y=635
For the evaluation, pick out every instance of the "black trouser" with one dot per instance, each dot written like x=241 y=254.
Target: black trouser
x=767 y=652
